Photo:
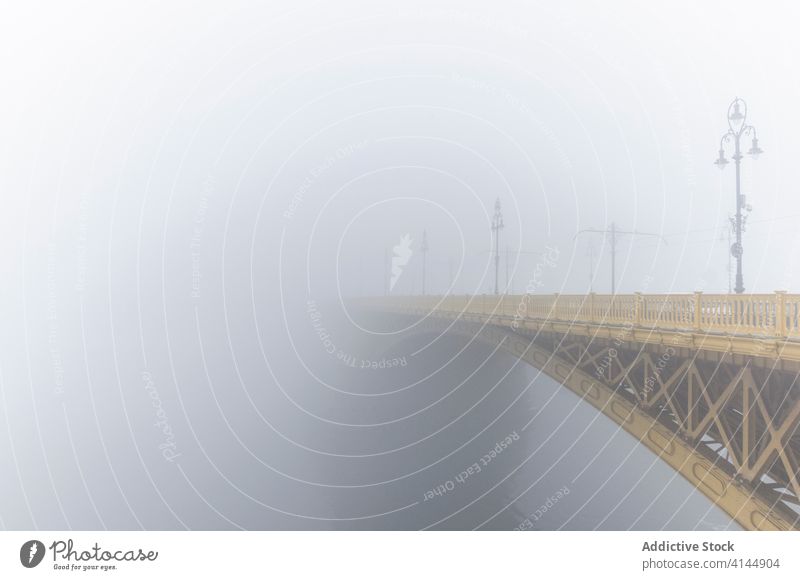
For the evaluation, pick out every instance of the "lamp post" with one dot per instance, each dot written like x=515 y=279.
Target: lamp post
x=738 y=128
x=497 y=225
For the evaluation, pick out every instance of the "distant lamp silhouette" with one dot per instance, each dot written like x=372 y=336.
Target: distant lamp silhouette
x=755 y=150
x=721 y=162
x=736 y=115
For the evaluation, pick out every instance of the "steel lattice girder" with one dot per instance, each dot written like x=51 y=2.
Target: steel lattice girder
x=727 y=425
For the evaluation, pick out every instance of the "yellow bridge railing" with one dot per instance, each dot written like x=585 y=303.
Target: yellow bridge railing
x=775 y=314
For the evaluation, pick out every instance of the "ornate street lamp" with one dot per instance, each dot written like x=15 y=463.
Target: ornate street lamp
x=738 y=128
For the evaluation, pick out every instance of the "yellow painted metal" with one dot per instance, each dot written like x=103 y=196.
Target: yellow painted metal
x=765 y=325
x=737 y=500
x=763 y=329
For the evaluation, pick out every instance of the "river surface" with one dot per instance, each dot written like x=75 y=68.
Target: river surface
x=472 y=438
x=318 y=423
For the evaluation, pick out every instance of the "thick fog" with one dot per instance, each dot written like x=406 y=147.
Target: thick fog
x=193 y=190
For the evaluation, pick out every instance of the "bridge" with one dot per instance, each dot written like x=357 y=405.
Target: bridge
x=705 y=381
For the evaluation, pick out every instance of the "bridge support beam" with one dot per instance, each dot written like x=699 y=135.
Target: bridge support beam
x=727 y=427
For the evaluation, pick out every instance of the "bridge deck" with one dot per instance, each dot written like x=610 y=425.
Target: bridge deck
x=765 y=325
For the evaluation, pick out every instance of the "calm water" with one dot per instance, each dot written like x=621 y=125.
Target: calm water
x=476 y=439
x=320 y=428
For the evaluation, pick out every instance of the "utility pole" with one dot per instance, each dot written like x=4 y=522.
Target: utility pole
x=737 y=128
x=613 y=258
x=452 y=279
x=497 y=225
x=510 y=252
x=424 y=249
x=613 y=233
x=730 y=266
x=507 y=253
